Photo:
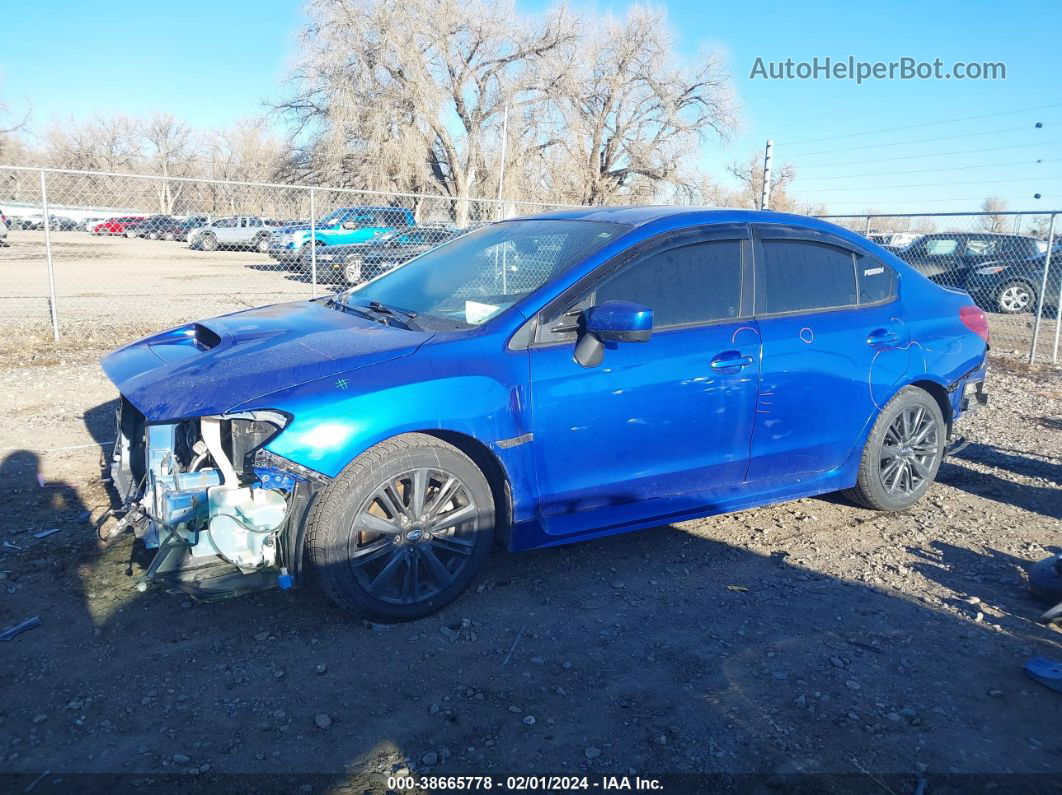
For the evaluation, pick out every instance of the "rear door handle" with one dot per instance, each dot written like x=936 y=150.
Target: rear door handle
x=730 y=360
x=882 y=336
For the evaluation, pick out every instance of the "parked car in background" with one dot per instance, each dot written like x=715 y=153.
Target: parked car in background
x=116 y=225
x=539 y=381
x=949 y=258
x=3 y=228
x=187 y=226
x=1013 y=286
x=88 y=222
x=343 y=226
x=62 y=223
x=893 y=240
x=150 y=227
x=245 y=232
x=358 y=262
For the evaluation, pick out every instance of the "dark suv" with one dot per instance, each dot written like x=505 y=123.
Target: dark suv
x=951 y=258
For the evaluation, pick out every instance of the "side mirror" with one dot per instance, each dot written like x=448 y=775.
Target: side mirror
x=620 y=321
x=612 y=321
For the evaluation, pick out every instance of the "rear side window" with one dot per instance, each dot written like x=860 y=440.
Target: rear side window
x=800 y=275
x=941 y=247
x=693 y=284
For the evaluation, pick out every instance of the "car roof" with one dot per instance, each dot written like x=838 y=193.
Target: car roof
x=635 y=216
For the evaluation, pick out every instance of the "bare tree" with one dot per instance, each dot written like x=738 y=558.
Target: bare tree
x=749 y=175
x=994 y=220
x=413 y=91
x=631 y=113
x=170 y=146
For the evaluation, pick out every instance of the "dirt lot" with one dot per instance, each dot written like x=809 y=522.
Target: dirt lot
x=107 y=281
x=105 y=285
x=856 y=641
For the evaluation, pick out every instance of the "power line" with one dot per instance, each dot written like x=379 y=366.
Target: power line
x=968 y=199
x=922 y=124
x=932 y=154
x=915 y=141
x=922 y=185
x=949 y=168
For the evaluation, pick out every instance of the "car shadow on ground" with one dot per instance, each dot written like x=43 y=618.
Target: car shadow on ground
x=1043 y=500
x=662 y=651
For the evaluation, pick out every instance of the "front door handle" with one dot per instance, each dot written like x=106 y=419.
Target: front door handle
x=882 y=336
x=730 y=360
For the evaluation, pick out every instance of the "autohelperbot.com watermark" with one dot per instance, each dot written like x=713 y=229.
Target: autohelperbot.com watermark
x=850 y=68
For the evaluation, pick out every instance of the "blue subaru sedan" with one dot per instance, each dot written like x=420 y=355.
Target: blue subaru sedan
x=536 y=382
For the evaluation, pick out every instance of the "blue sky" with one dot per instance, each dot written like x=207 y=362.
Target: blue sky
x=214 y=62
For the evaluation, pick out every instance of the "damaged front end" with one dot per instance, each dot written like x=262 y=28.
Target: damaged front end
x=224 y=516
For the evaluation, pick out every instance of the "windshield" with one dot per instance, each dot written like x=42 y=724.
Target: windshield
x=475 y=277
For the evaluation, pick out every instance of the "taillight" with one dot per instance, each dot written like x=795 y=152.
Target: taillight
x=974 y=319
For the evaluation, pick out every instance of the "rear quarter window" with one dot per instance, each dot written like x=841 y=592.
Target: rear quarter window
x=877 y=281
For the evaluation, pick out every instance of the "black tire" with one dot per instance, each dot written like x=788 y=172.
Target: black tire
x=207 y=242
x=375 y=573
x=912 y=463
x=261 y=244
x=1015 y=298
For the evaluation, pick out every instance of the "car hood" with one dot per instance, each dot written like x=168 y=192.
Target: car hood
x=211 y=366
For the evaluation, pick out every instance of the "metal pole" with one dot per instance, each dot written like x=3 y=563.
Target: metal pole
x=501 y=170
x=765 y=196
x=1043 y=290
x=48 y=255
x=313 y=242
x=866 y=228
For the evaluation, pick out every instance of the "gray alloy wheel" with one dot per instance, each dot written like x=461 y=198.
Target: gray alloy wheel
x=413 y=536
x=909 y=449
x=207 y=242
x=403 y=530
x=261 y=244
x=1014 y=298
x=902 y=453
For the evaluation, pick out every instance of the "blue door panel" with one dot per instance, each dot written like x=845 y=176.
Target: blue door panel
x=640 y=434
x=821 y=381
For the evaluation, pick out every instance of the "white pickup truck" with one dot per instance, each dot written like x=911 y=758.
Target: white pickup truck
x=243 y=232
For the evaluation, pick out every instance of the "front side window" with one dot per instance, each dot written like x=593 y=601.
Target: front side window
x=225 y=223
x=800 y=275
x=699 y=283
x=475 y=277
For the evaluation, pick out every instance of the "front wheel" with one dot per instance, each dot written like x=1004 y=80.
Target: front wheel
x=261 y=244
x=207 y=242
x=902 y=454
x=1014 y=298
x=403 y=530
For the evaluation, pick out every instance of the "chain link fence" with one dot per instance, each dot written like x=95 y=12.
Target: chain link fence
x=118 y=255
x=1009 y=262
x=100 y=254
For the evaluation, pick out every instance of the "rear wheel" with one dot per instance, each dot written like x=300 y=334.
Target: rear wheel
x=403 y=530
x=902 y=454
x=1015 y=298
x=261 y=244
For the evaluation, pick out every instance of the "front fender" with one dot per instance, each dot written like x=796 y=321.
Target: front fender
x=336 y=419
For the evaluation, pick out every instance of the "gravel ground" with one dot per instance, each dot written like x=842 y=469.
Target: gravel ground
x=811 y=636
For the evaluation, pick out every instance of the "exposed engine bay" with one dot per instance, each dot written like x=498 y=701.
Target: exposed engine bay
x=222 y=514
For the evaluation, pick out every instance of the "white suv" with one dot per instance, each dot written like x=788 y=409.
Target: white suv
x=244 y=232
